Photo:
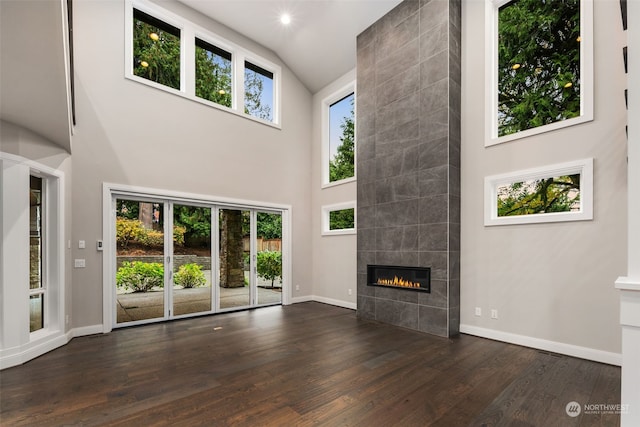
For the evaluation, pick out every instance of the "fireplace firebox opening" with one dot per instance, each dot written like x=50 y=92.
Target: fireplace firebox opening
x=409 y=278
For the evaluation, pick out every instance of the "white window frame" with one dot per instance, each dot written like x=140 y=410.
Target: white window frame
x=188 y=33
x=348 y=89
x=491 y=75
x=17 y=343
x=111 y=190
x=327 y=209
x=491 y=184
x=207 y=37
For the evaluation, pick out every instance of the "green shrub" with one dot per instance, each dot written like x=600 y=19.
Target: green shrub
x=132 y=231
x=270 y=265
x=178 y=234
x=190 y=276
x=127 y=230
x=151 y=238
x=140 y=276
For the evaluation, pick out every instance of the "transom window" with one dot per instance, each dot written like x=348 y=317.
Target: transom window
x=168 y=52
x=156 y=50
x=542 y=68
x=258 y=91
x=214 y=73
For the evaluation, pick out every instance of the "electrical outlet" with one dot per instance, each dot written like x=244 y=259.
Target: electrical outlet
x=79 y=263
x=297 y=287
x=494 y=313
x=349 y=291
x=478 y=311
x=82 y=244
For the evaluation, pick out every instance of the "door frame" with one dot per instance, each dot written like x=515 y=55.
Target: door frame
x=112 y=190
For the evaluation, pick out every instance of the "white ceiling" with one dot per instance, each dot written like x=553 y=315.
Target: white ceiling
x=320 y=43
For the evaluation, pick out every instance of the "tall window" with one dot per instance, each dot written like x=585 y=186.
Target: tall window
x=341 y=139
x=258 y=91
x=543 y=66
x=36 y=280
x=213 y=73
x=156 y=50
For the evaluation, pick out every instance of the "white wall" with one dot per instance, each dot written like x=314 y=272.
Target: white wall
x=27 y=149
x=551 y=283
x=334 y=257
x=129 y=133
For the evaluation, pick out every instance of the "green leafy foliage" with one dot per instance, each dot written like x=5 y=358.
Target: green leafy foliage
x=156 y=52
x=269 y=225
x=150 y=238
x=196 y=222
x=342 y=164
x=213 y=77
x=140 y=276
x=538 y=63
x=127 y=230
x=132 y=231
x=555 y=194
x=253 y=90
x=190 y=276
x=270 y=265
x=341 y=219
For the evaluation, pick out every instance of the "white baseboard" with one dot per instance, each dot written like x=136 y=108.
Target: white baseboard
x=337 y=302
x=18 y=355
x=306 y=298
x=85 y=330
x=540 y=344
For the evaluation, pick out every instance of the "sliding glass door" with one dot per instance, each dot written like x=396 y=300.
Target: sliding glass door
x=191 y=278
x=235 y=258
x=140 y=261
x=269 y=257
x=178 y=259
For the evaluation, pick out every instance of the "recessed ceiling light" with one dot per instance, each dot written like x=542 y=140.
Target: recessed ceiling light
x=285 y=18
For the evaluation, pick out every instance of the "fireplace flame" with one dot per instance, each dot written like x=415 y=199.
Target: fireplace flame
x=399 y=281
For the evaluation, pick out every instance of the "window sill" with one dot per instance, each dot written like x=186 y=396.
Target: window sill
x=202 y=101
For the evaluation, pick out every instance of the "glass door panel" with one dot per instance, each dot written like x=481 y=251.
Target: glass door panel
x=191 y=259
x=234 y=258
x=269 y=258
x=139 y=260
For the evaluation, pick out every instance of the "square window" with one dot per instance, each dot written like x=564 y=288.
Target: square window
x=213 y=73
x=258 y=92
x=156 y=50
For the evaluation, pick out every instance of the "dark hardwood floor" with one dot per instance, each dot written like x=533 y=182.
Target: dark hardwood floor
x=300 y=365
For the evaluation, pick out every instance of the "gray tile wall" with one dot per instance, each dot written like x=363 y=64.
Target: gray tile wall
x=408 y=161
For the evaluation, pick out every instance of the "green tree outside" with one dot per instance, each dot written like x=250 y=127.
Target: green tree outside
x=213 y=74
x=538 y=63
x=342 y=165
x=554 y=194
x=342 y=219
x=156 y=50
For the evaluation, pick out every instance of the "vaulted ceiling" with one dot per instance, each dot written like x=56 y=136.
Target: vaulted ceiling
x=319 y=45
